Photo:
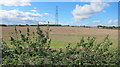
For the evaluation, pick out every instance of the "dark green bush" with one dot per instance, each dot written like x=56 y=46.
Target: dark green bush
x=34 y=49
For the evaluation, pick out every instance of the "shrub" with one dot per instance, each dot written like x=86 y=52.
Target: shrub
x=34 y=49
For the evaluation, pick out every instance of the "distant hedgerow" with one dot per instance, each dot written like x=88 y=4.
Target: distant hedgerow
x=34 y=49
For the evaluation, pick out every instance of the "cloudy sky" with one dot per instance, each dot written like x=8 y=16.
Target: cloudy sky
x=70 y=13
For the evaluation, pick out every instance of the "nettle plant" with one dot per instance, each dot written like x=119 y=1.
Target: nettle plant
x=34 y=49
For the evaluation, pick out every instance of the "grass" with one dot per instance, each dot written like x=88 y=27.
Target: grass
x=62 y=44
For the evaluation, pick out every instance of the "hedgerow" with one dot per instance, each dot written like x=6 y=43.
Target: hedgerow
x=34 y=49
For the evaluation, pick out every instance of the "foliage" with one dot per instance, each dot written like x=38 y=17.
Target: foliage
x=34 y=49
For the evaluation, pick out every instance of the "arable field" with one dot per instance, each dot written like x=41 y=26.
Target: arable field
x=61 y=36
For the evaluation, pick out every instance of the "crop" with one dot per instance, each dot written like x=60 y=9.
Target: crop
x=34 y=49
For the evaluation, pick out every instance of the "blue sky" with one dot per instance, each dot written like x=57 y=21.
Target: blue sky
x=106 y=15
x=74 y=0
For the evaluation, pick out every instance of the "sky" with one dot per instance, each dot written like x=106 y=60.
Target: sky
x=75 y=0
x=69 y=13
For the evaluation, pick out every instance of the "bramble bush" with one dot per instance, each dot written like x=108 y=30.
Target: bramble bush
x=34 y=49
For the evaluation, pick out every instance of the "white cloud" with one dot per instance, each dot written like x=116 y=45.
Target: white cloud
x=96 y=21
x=112 y=22
x=15 y=2
x=86 y=11
x=46 y=22
x=33 y=10
x=16 y=16
x=46 y=13
x=43 y=22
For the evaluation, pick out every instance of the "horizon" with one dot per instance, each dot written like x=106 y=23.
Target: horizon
x=53 y=25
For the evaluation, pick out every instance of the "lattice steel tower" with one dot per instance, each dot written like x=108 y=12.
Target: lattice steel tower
x=56 y=16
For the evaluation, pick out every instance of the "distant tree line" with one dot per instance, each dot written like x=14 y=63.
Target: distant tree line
x=3 y=25
x=99 y=26
x=108 y=27
x=30 y=25
x=85 y=26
